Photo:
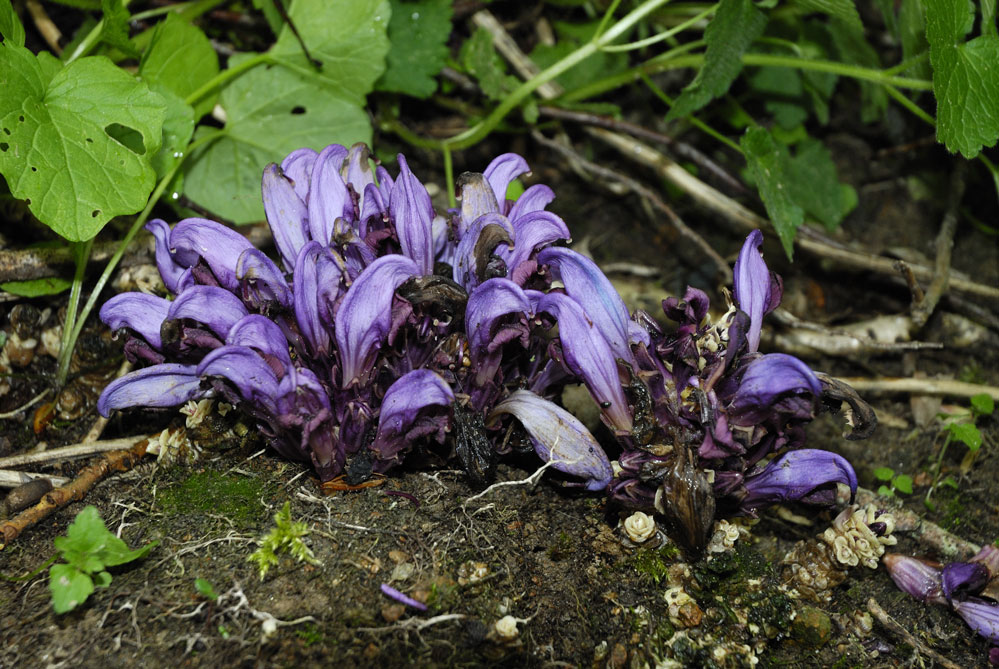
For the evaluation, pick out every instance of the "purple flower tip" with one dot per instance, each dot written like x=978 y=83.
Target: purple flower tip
x=389 y=591
x=917 y=578
x=962 y=578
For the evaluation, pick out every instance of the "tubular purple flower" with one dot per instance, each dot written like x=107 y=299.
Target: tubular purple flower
x=480 y=240
x=365 y=314
x=477 y=199
x=807 y=475
x=215 y=307
x=139 y=312
x=960 y=579
x=767 y=380
x=255 y=380
x=980 y=615
x=263 y=281
x=413 y=212
x=532 y=231
x=316 y=286
x=405 y=402
x=535 y=198
x=501 y=171
x=487 y=304
x=588 y=355
x=297 y=166
x=585 y=283
x=217 y=245
x=558 y=437
x=757 y=290
x=915 y=577
x=328 y=197
x=170 y=271
x=164 y=385
x=264 y=336
x=286 y=214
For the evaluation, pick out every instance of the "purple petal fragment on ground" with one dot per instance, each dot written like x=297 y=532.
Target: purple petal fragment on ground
x=215 y=307
x=139 y=312
x=389 y=591
x=558 y=437
x=915 y=577
x=286 y=214
x=585 y=283
x=219 y=246
x=807 y=475
x=981 y=616
x=757 y=291
x=413 y=212
x=165 y=385
x=365 y=314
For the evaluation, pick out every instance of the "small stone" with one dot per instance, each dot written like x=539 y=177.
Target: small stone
x=398 y=557
x=812 y=627
x=618 y=657
x=402 y=571
x=392 y=612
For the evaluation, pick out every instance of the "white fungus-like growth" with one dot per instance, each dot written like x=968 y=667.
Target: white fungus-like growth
x=724 y=537
x=506 y=628
x=196 y=412
x=640 y=527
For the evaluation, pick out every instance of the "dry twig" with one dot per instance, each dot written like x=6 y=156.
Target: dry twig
x=73 y=451
x=48 y=30
x=895 y=627
x=946 y=387
x=925 y=532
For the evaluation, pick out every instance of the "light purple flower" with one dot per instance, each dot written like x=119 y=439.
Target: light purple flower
x=487 y=305
x=771 y=379
x=139 y=312
x=328 y=199
x=163 y=385
x=915 y=577
x=297 y=167
x=220 y=247
x=501 y=171
x=255 y=381
x=806 y=475
x=413 y=212
x=981 y=615
x=757 y=290
x=215 y=307
x=286 y=214
x=172 y=273
x=962 y=578
x=263 y=283
x=558 y=437
x=406 y=402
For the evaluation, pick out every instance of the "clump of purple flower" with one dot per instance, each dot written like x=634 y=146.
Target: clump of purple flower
x=385 y=326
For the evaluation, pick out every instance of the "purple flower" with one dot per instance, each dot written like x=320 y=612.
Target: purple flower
x=407 y=413
x=807 y=475
x=959 y=579
x=198 y=239
x=164 y=385
x=558 y=437
x=413 y=212
x=142 y=313
x=286 y=213
x=918 y=578
x=757 y=289
x=981 y=615
x=775 y=381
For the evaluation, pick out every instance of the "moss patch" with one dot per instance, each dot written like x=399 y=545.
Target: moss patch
x=235 y=496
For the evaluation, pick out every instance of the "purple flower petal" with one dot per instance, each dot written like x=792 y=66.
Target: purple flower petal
x=169 y=270
x=757 y=290
x=532 y=231
x=413 y=212
x=286 y=214
x=263 y=335
x=501 y=171
x=365 y=314
x=406 y=400
x=477 y=199
x=263 y=281
x=558 y=437
x=487 y=304
x=297 y=166
x=165 y=385
x=139 y=312
x=474 y=249
x=244 y=368
x=981 y=616
x=399 y=597
x=219 y=246
x=215 y=307
x=317 y=283
x=915 y=577
x=589 y=356
x=767 y=380
x=960 y=579
x=535 y=198
x=356 y=171
x=585 y=283
x=328 y=197
x=807 y=475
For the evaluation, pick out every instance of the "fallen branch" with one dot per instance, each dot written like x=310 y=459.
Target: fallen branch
x=121 y=461
x=73 y=451
x=893 y=626
x=943 y=387
x=11 y=479
x=925 y=532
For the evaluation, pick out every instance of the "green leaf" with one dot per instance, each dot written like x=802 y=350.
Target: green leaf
x=948 y=21
x=271 y=14
x=270 y=111
x=732 y=29
x=181 y=59
x=782 y=93
x=814 y=184
x=116 y=552
x=57 y=144
x=989 y=27
x=883 y=473
x=912 y=33
x=480 y=60
x=766 y=163
x=101 y=579
x=205 y=589
x=570 y=37
x=844 y=10
x=115 y=28
x=10 y=24
x=885 y=491
x=69 y=587
x=349 y=38
x=854 y=48
x=52 y=285
x=983 y=404
x=418 y=34
x=178 y=126
x=966 y=85
x=966 y=433
x=903 y=483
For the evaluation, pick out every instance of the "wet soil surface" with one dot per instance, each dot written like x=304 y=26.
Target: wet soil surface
x=552 y=558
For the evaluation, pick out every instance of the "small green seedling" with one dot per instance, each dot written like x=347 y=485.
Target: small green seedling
x=205 y=589
x=960 y=426
x=286 y=536
x=88 y=549
x=892 y=482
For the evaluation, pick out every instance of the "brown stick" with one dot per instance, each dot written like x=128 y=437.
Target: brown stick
x=921 y=387
x=925 y=532
x=896 y=628
x=723 y=269
x=77 y=489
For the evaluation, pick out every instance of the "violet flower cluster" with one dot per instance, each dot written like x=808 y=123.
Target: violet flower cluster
x=384 y=326
x=970 y=589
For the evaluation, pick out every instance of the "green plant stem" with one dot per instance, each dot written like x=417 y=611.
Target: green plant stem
x=226 y=75
x=81 y=253
x=696 y=122
x=913 y=108
x=92 y=39
x=449 y=177
x=906 y=64
x=655 y=39
x=936 y=469
x=27 y=577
